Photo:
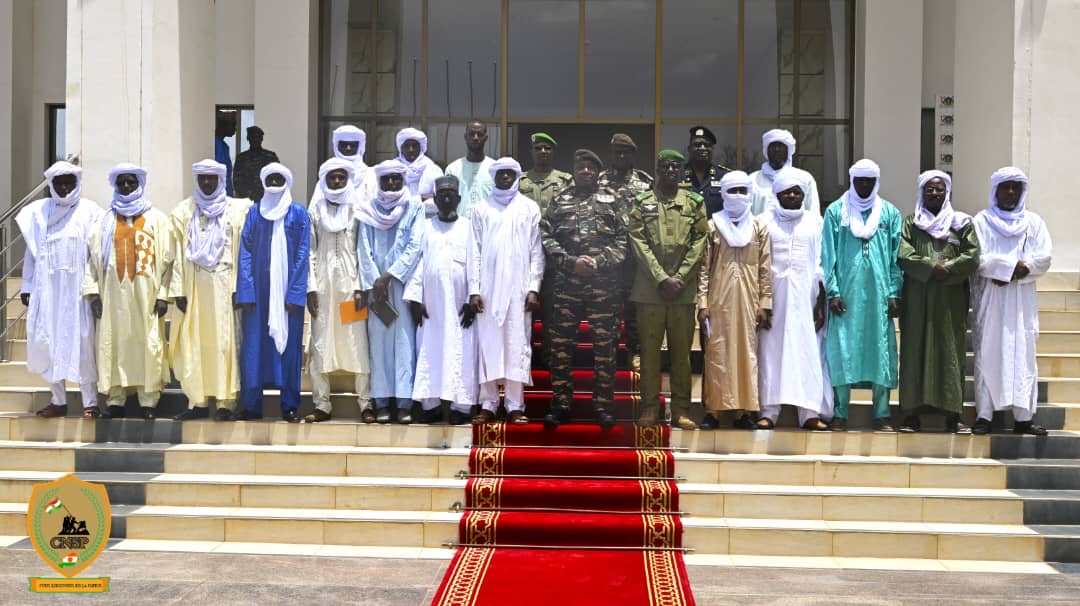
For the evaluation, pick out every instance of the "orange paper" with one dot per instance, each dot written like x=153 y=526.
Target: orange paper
x=349 y=313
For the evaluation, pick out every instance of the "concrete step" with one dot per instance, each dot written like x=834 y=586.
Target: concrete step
x=1059 y=365
x=1059 y=320
x=1043 y=474
x=1062 y=444
x=1050 y=506
x=1059 y=300
x=1061 y=542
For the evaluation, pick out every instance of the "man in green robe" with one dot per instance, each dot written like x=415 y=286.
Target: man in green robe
x=939 y=251
x=859 y=246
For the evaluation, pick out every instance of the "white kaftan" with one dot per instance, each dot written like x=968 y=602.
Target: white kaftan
x=1006 y=326
x=446 y=352
x=762 y=197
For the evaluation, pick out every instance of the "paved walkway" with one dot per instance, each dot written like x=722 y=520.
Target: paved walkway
x=204 y=579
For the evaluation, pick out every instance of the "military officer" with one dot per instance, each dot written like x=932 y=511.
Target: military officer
x=701 y=176
x=667 y=234
x=584 y=235
x=627 y=182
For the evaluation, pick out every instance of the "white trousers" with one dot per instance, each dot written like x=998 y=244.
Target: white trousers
x=772 y=413
x=985 y=410
x=515 y=395
x=88 y=391
x=320 y=390
x=433 y=403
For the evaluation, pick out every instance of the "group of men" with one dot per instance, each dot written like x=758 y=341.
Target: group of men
x=421 y=286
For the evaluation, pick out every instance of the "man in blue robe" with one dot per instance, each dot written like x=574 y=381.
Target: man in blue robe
x=271 y=287
x=389 y=244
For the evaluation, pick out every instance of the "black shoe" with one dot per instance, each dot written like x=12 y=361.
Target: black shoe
x=743 y=422
x=244 y=414
x=911 y=424
x=404 y=415
x=459 y=418
x=191 y=414
x=290 y=416
x=883 y=425
x=1028 y=428
x=223 y=414
x=148 y=413
x=556 y=416
x=604 y=419
x=709 y=422
x=114 y=412
x=838 y=424
x=981 y=427
x=431 y=417
x=953 y=424
x=382 y=415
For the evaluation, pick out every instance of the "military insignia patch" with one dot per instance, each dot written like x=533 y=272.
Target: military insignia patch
x=605 y=198
x=649 y=210
x=69 y=521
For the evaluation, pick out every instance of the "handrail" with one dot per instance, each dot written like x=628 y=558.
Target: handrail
x=74 y=159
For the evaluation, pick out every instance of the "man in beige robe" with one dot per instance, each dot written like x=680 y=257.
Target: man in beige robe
x=734 y=302
x=205 y=340
x=127 y=282
x=333 y=279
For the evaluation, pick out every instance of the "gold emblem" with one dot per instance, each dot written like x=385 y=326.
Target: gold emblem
x=69 y=522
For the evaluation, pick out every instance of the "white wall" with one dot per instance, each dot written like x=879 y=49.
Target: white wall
x=286 y=81
x=7 y=25
x=939 y=31
x=234 y=58
x=888 y=103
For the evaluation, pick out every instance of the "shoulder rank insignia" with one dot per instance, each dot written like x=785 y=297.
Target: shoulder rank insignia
x=649 y=210
x=605 y=198
x=714 y=183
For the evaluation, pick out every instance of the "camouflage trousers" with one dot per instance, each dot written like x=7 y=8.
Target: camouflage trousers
x=600 y=305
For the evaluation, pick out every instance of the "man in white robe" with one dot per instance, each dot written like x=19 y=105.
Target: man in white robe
x=420 y=170
x=350 y=144
x=789 y=359
x=59 y=324
x=127 y=282
x=1015 y=251
x=335 y=346
x=506 y=266
x=778 y=147
x=438 y=296
x=205 y=342
x=474 y=178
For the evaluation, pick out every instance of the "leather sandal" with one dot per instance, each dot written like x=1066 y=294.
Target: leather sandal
x=815 y=425
x=52 y=411
x=764 y=423
x=367 y=415
x=91 y=412
x=518 y=418
x=484 y=416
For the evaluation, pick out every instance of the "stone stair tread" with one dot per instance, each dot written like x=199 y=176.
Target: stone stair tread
x=854 y=491
x=1071 y=531
x=858 y=526
x=1037 y=494
x=361 y=515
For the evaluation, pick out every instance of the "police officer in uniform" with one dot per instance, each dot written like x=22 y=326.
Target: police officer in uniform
x=668 y=229
x=627 y=182
x=584 y=235
x=701 y=176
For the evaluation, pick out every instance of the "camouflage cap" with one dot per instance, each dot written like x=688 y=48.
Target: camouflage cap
x=587 y=155
x=623 y=139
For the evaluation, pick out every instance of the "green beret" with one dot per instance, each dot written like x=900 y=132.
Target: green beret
x=623 y=139
x=670 y=154
x=543 y=137
x=587 y=155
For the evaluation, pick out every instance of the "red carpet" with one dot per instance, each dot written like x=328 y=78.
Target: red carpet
x=570 y=516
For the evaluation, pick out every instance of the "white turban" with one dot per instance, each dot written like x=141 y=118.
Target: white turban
x=34 y=222
x=776 y=135
x=388 y=207
x=505 y=196
x=349 y=132
x=64 y=168
x=205 y=249
x=785 y=180
x=411 y=134
x=344 y=197
x=854 y=206
x=946 y=219
x=388 y=167
x=130 y=205
x=1008 y=222
x=734 y=221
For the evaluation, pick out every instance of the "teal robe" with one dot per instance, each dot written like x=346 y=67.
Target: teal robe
x=861 y=344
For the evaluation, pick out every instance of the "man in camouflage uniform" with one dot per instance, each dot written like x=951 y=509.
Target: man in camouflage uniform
x=584 y=235
x=667 y=234
x=542 y=183
x=627 y=182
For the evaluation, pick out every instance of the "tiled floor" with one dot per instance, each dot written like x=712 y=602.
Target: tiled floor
x=208 y=573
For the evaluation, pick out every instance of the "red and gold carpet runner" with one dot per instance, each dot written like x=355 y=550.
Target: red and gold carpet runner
x=574 y=515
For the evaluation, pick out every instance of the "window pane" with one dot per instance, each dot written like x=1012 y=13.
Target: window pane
x=823 y=59
x=446 y=142
x=753 y=155
x=701 y=49
x=677 y=136
x=461 y=32
x=823 y=151
x=620 y=74
x=769 y=58
x=543 y=58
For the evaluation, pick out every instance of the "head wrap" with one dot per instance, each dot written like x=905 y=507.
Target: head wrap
x=784 y=180
x=538 y=137
x=348 y=132
x=854 y=206
x=387 y=207
x=273 y=207
x=505 y=266
x=670 y=154
x=342 y=200
x=505 y=196
x=587 y=155
x=703 y=132
x=415 y=169
x=734 y=221
x=939 y=225
x=776 y=135
x=623 y=139
x=35 y=224
x=205 y=250
x=1008 y=223
x=447 y=182
x=131 y=205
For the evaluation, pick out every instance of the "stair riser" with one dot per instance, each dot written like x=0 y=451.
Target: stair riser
x=854 y=508
x=1059 y=367
x=1062 y=549
x=1038 y=477
x=1060 y=300
x=1052 y=511
x=1011 y=446
x=1059 y=320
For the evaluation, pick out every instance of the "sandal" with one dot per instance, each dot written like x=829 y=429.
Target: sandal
x=815 y=425
x=484 y=416
x=764 y=423
x=367 y=415
x=518 y=418
x=52 y=410
x=91 y=412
